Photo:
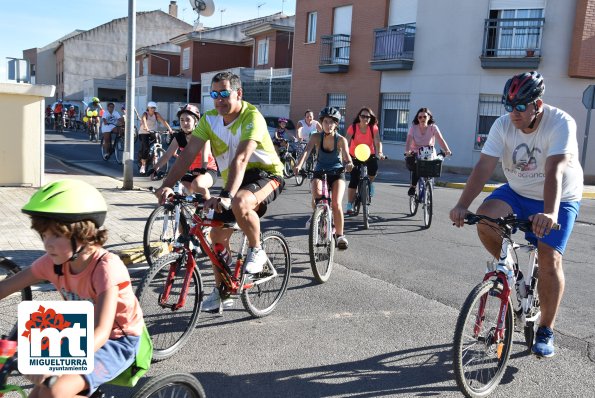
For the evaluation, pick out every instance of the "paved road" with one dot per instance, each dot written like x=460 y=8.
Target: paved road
x=383 y=324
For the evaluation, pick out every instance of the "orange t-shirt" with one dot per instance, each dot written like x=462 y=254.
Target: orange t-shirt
x=361 y=138
x=94 y=280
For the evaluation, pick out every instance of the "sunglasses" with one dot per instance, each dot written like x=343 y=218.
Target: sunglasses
x=364 y=116
x=422 y=117
x=517 y=107
x=223 y=94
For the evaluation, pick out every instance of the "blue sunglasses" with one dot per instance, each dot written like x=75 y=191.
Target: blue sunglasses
x=223 y=94
x=517 y=107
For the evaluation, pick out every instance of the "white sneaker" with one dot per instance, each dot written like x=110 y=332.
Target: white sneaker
x=255 y=260
x=342 y=242
x=142 y=170
x=213 y=302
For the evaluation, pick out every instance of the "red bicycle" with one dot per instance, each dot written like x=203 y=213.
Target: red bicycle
x=171 y=293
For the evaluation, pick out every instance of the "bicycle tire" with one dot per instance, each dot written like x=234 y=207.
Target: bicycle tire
x=10 y=304
x=262 y=298
x=119 y=149
x=480 y=382
x=321 y=246
x=288 y=165
x=414 y=200
x=158 y=241
x=171 y=385
x=103 y=152
x=365 y=195
x=299 y=178
x=428 y=205
x=530 y=327
x=169 y=329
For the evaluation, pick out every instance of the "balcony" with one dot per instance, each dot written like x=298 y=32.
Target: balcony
x=512 y=43
x=393 y=48
x=334 y=53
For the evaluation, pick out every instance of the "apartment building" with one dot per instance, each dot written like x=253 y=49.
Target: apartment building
x=397 y=56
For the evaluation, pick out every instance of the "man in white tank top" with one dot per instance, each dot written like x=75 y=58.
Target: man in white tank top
x=307 y=126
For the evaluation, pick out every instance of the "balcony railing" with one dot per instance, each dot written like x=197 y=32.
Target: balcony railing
x=393 y=47
x=334 y=53
x=512 y=43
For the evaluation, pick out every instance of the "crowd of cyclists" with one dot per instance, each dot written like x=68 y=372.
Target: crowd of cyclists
x=232 y=141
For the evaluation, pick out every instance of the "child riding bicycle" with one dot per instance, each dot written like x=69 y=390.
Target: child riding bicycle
x=81 y=269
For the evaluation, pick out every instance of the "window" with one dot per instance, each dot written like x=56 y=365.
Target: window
x=263 y=51
x=519 y=31
x=186 y=58
x=137 y=69
x=146 y=66
x=395 y=117
x=311 y=29
x=339 y=101
x=490 y=109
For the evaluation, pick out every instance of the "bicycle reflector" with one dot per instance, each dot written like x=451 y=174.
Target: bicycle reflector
x=362 y=152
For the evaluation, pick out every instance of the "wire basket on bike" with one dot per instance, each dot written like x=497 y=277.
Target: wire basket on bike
x=429 y=168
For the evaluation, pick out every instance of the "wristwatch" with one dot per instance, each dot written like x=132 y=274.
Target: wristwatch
x=225 y=194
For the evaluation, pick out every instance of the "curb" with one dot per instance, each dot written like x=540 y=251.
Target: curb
x=492 y=187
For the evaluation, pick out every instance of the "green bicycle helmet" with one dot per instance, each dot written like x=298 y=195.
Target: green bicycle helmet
x=95 y=100
x=68 y=201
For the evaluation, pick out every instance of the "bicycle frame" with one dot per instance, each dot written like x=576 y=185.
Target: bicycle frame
x=363 y=178
x=325 y=202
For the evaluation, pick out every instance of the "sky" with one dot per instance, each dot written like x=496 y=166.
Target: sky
x=43 y=22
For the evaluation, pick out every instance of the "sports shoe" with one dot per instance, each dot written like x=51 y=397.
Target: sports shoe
x=342 y=243
x=372 y=190
x=411 y=191
x=349 y=208
x=213 y=302
x=544 y=342
x=142 y=170
x=255 y=260
x=105 y=157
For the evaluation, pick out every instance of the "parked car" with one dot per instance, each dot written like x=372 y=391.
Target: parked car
x=272 y=123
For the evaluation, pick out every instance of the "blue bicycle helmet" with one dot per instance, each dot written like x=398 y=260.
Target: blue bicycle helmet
x=523 y=88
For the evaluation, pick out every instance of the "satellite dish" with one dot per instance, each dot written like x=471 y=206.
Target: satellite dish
x=203 y=7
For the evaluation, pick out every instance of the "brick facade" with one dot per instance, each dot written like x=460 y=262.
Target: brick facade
x=582 y=53
x=360 y=84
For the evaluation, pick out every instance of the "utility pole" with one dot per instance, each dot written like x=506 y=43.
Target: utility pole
x=130 y=87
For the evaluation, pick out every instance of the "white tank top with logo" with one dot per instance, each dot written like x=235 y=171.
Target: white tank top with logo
x=307 y=131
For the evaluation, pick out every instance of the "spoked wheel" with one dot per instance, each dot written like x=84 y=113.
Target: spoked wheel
x=169 y=329
x=288 y=165
x=428 y=205
x=119 y=149
x=299 y=178
x=479 y=356
x=161 y=231
x=172 y=385
x=263 y=292
x=9 y=304
x=321 y=245
x=158 y=155
x=413 y=203
x=103 y=151
x=364 y=195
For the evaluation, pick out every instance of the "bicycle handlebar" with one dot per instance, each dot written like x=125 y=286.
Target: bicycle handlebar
x=510 y=221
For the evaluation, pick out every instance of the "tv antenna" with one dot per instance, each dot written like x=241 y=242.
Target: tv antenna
x=258 y=7
x=205 y=8
x=222 y=11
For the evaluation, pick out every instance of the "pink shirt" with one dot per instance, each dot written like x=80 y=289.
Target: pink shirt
x=94 y=280
x=420 y=139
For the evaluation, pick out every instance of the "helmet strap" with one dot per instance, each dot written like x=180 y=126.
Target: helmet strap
x=537 y=112
x=75 y=252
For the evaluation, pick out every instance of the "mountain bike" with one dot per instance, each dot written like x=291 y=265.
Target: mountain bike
x=308 y=168
x=321 y=241
x=363 y=196
x=171 y=293
x=156 y=151
x=163 y=227
x=116 y=145
x=288 y=156
x=92 y=121
x=9 y=304
x=483 y=334
x=165 y=385
x=427 y=169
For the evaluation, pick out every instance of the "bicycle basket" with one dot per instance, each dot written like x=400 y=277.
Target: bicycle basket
x=429 y=168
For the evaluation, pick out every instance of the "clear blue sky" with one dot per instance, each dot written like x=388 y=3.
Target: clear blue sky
x=38 y=23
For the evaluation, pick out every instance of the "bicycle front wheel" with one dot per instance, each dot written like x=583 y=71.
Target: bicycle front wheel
x=169 y=328
x=162 y=231
x=158 y=155
x=364 y=195
x=428 y=205
x=479 y=356
x=119 y=149
x=10 y=304
x=266 y=289
x=288 y=165
x=321 y=245
x=172 y=385
x=413 y=203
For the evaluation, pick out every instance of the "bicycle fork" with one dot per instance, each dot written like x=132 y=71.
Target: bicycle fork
x=173 y=268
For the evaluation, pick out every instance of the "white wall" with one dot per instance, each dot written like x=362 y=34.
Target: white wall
x=447 y=76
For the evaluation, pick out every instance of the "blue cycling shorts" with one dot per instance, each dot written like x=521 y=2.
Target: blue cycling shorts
x=524 y=207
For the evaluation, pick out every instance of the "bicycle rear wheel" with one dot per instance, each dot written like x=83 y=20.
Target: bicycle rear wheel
x=172 y=385
x=161 y=231
x=169 y=329
x=267 y=287
x=321 y=245
x=365 y=195
x=428 y=205
x=479 y=357
x=119 y=149
x=414 y=201
x=299 y=178
x=9 y=304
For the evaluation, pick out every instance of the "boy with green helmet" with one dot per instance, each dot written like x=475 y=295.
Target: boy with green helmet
x=68 y=215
